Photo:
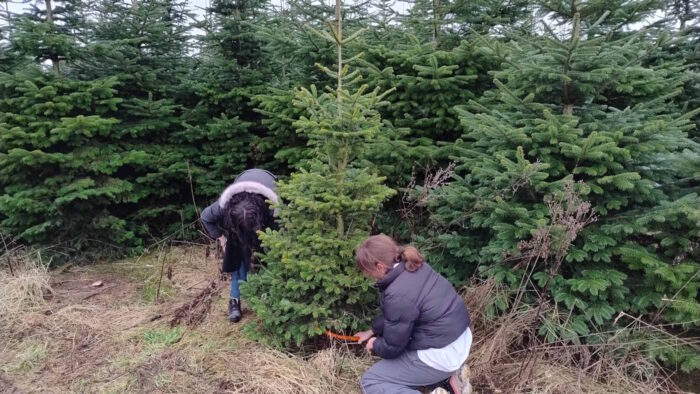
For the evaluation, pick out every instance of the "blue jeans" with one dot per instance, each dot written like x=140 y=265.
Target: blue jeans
x=238 y=276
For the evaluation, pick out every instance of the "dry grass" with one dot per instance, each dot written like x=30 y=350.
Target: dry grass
x=333 y=370
x=66 y=336
x=502 y=355
x=22 y=291
x=60 y=335
x=25 y=287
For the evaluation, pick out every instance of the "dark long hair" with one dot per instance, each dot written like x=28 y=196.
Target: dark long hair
x=244 y=215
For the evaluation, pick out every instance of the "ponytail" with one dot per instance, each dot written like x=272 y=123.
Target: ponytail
x=382 y=249
x=411 y=257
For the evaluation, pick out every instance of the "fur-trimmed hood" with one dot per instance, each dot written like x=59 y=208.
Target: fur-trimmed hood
x=251 y=181
x=247 y=186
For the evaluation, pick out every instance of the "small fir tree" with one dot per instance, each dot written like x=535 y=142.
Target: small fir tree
x=311 y=282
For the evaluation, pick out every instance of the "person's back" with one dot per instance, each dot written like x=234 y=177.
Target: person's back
x=234 y=219
x=442 y=314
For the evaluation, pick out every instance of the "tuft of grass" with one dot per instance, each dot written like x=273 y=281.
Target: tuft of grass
x=102 y=348
x=155 y=339
x=508 y=356
x=25 y=288
x=270 y=371
x=30 y=357
x=162 y=380
x=150 y=289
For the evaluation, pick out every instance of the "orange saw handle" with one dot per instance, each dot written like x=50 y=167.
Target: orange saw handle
x=342 y=337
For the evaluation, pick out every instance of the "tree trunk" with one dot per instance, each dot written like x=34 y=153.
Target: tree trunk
x=49 y=19
x=436 y=21
x=9 y=19
x=567 y=99
x=339 y=18
x=686 y=13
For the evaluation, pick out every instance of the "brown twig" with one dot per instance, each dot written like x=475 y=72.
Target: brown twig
x=160 y=277
x=94 y=293
x=568 y=216
x=193 y=313
x=194 y=201
x=8 y=253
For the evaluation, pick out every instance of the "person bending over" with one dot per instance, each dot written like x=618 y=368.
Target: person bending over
x=234 y=219
x=422 y=334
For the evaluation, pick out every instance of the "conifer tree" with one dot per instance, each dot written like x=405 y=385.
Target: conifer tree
x=428 y=83
x=144 y=45
x=8 y=57
x=292 y=52
x=59 y=170
x=119 y=161
x=311 y=282
x=222 y=122
x=426 y=19
x=481 y=16
x=48 y=33
x=584 y=108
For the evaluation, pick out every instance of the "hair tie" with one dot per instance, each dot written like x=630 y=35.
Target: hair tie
x=399 y=257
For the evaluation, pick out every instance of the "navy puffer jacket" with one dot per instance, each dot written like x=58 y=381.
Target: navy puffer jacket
x=420 y=310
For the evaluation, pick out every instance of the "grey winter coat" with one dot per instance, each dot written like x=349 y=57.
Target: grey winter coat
x=253 y=181
x=420 y=310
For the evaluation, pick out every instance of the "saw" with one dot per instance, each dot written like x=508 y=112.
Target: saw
x=341 y=337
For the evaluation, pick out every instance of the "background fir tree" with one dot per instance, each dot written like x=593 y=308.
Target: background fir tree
x=145 y=45
x=426 y=19
x=421 y=123
x=59 y=166
x=9 y=56
x=46 y=34
x=121 y=157
x=311 y=282
x=483 y=16
x=578 y=107
x=222 y=124
x=291 y=51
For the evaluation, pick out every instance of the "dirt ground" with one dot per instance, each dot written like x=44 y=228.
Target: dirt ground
x=102 y=330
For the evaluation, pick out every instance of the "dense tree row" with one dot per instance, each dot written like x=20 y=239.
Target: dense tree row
x=119 y=118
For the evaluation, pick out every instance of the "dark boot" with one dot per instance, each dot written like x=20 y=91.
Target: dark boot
x=234 y=310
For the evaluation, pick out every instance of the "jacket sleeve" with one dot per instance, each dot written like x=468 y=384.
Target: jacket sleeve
x=378 y=325
x=399 y=318
x=211 y=218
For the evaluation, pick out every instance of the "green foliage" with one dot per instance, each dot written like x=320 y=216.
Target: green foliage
x=585 y=107
x=59 y=168
x=112 y=114
x=286 y=147
x=428 y=84
x=311 y=282
x=221 y=125
x=155 y=339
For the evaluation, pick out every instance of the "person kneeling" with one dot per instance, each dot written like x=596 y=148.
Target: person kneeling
x=422 y=334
